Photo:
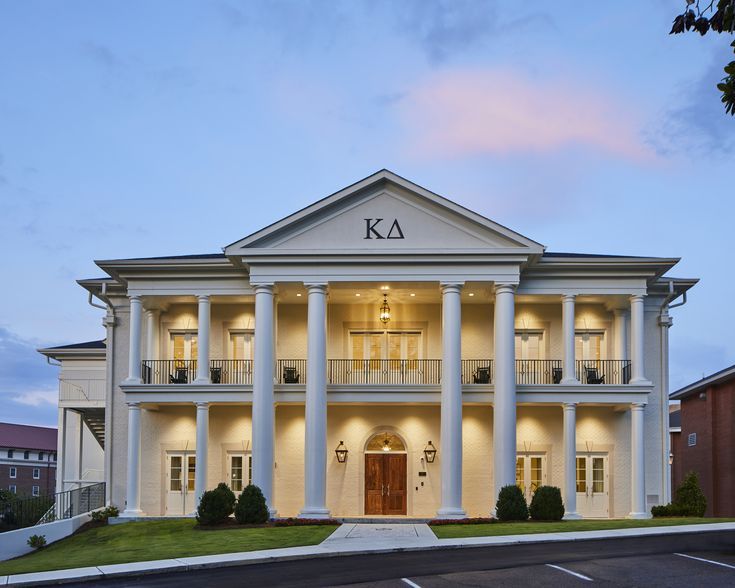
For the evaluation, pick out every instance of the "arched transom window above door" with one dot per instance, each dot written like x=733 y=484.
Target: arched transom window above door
x=387 y=442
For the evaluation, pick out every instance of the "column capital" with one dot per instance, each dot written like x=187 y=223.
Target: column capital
x=203 y=297
x=505 y=288
x=451 y=287
x=133 y=405
x=264 y=288
x=568 y=297
x=620 y=311
x=319 y=287
x=637 y=297
x=201 y=405
x=569 y=406
x=135 y=298
x=638 y=406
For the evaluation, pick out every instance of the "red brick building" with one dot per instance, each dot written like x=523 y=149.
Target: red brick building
x=27 y=459
x=706 y=443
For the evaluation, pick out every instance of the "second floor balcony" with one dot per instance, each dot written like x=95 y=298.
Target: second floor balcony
x=387 y=371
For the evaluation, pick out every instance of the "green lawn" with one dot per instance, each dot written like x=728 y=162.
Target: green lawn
x=147 y=540
x=495 y=529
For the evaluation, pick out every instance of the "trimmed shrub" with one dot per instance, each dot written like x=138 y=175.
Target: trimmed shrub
x=251 y=508
x=37 y=541
x=216 y=505
x=546 y=504
x=105 y=513
x=511 y=505
x=689 y=498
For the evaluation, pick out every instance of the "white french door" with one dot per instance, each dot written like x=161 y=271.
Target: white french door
x=240 y=466
x=593 y=492
x=530 y=473
x=180 y=472
x=391 y=345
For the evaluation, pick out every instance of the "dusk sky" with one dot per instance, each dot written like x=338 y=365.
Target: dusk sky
x=133 y=129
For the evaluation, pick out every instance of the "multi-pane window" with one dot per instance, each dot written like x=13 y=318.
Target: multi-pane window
x=191 y=473
x=184 y=346
x=13 y=488
x=241 y=345
x=10 y=453
x=240 y=471
x=520 y=473
x=36 y=490
x=13 y=472
x=581 y=474
x=536 y=473
x=36 y=473
x=588 y=346
x=175 y=470
x=392 y=345
x=26 y=454
x=529 y=345
x=40 y=455
x=598 y=474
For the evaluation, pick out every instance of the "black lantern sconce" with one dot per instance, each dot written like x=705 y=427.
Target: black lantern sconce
x=430 y=452
x=341 y=452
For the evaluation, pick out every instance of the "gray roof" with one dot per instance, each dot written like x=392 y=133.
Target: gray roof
x=99 y=344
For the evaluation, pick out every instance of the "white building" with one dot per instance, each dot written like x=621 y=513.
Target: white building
x=387 y=321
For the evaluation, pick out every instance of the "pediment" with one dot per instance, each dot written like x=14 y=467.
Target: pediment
x=384 y=214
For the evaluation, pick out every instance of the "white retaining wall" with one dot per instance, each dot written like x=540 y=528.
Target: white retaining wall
x=15 y=543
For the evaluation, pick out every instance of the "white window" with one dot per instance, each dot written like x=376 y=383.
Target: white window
x=13 y=472
x=692 y=439
x=36 y=473
x=36 y=491
x=184 y=346
x=377 y=345
x=241 y=345
x=589 y=346
x=12 y=488
x=10 y=453
x=241 y=465
x=26 y=455
x=529 y=345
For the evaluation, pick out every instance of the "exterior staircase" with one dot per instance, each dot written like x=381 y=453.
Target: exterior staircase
x=94 y=418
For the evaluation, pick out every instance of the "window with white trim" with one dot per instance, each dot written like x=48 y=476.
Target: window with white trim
x=241 y=345
x=13 y=472
x=183 y=345
x=36 y=473
x=589 y=346
x=13 y=488
x=529 y=345
x=36 y=491
x=10 y=453
x=378 y=345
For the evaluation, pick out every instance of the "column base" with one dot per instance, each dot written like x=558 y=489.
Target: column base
x=571 y=516
x=131 y=513
x=272 y=513
x=451 y=513
x=639 y=515
x=131 y=381
x=202 y=381
x=640 y=382
x=314 y=513
x=569 y=382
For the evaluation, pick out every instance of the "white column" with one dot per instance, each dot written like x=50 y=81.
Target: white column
x=61 y=458
x=637 y=340
x=570 y=461
x=504 y=409
x=620 y=326
x=315 y=449
x=151 y=333
x=136 y=320
x=568 y=366
x=665 y=321
x=132 y=508
x=203 y=342
x=451 y=403
x=263 y=409
x=200 y=472
x=638 y=461
x=80 y=450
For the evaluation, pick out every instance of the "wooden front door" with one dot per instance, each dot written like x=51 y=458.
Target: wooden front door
x=385 y=483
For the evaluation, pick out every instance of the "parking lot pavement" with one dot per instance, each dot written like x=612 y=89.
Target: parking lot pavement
x=669 y=570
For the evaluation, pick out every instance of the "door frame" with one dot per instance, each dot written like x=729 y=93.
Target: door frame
x=409 y=451
x=185 y=454
x=582 y=500
x=364 y=480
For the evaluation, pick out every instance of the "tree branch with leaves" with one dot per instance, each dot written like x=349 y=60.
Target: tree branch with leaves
x=721 y=19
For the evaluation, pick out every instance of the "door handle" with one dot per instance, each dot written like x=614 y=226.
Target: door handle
x=388 y=489
x=382 y=489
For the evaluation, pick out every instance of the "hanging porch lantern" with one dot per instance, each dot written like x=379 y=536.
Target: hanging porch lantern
x=385 y=310
x=430 y=452
x=341 y=452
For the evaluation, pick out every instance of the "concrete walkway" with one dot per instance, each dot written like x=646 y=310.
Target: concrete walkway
x=348 y=539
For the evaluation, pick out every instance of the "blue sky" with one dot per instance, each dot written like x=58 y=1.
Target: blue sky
x=144 y=128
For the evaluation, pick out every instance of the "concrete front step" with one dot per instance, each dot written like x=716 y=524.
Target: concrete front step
x=378 y=520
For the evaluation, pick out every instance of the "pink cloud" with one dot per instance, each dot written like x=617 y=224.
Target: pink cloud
x=473 y=112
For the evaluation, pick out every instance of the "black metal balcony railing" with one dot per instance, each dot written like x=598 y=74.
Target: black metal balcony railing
x=387 y=371
x=184 y=371
x=384 y=371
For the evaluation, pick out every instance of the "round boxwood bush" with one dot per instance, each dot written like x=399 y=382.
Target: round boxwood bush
x=546 y=504
x=216 y=505
x=511 y=505
x=251 y=508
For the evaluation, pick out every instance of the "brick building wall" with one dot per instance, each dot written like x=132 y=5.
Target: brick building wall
x=24 y=480
x=712 y=419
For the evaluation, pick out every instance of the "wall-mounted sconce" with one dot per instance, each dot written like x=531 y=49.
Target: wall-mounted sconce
x=341 y=452
x=430 y=452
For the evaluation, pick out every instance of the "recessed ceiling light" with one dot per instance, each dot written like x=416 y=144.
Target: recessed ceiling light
x=472 y=293
x=413 y=294
x=384 y=288
x=299 y=294
x=358 y=294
